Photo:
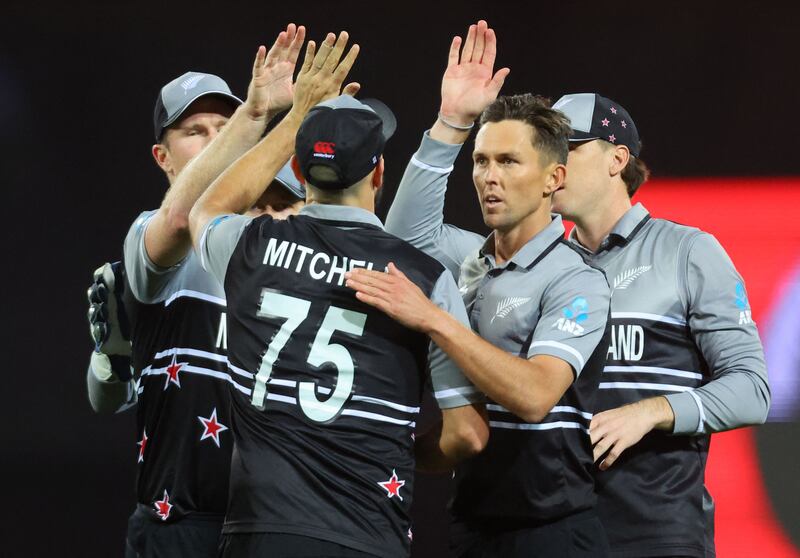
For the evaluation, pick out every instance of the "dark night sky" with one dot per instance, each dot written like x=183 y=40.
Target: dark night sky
x=712 y=86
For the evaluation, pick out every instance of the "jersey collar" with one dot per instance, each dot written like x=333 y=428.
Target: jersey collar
x=623 y=232
x=534 y=249
x=343 y=213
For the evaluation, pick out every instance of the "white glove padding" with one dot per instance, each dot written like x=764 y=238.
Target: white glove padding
x=108 y=324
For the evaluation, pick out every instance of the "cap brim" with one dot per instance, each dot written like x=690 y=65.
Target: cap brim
x=289 y=181
x=577 y=135
x=385 y=113
x=235 y=101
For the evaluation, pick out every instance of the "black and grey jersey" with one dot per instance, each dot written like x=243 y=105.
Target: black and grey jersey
x=680 y=318
x=183 y=443
x=327 y=389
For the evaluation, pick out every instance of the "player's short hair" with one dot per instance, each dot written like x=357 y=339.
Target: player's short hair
x=635 y=173
x=551 y=128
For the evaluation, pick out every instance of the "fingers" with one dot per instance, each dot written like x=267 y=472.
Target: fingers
x=452 y=56
x=336 y=53
x=469 y=45
x=296 y=45
x=499 y=79
x=324 y=50
x=480 y=41
x=393 y=270
x=490 y=50
x=351 y=89
x=258 y=63
x=344 y=68
x=274 y=53
x=309 y=57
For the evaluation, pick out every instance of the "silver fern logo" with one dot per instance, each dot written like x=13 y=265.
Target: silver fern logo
x=509 y=304
x=190 y=83
x=624 y=279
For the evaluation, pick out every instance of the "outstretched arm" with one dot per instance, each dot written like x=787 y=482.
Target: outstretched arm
x=270 y=91
x=469 y=85
x=320 y=78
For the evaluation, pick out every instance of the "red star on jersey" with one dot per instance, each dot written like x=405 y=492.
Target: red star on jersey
x=172 y=372
x=393 y=486
x=212 y=427
x=163 y=507
x=142 y=443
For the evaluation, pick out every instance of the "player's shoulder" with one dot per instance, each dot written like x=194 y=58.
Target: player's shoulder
x=666 y=231
x=566 y=261
x=141 y=220
x=413 y=256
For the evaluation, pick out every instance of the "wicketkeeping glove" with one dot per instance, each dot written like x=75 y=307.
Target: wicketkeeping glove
x=108 y=324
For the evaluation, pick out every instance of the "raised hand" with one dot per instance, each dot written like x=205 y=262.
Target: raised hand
x=323 y=72
x=469 y=83
x=271 y=89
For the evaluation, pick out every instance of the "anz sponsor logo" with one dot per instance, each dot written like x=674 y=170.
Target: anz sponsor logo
x=745 y=315
x=573 y=316
x=627 y=343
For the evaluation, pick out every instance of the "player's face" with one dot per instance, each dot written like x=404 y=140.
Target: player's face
x=510 y=179
x=187 y=137
x=586 y=183
x=278 y=202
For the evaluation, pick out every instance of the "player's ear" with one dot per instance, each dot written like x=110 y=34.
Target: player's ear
x=619 y=160
x=296 y=170
x=555 y=179
x=377 y=177
x=162 y=157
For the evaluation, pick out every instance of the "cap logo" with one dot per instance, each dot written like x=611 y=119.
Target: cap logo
x=190 y=83
x=325 y=149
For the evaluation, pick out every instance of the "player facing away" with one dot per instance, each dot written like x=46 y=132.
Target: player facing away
x=684 y=359
x=183 y=442
x=327 y=389
x=535 y=344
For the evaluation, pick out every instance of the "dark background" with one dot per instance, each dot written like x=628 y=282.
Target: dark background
x=713 y=89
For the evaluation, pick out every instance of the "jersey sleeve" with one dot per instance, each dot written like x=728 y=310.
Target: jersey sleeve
x=417 y=212
x=218 y=241
x=574 y=313
x=450 y=387
x=721 y=323
x=149 y=282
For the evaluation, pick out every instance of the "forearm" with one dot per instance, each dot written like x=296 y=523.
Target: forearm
x=506 y=379
x=107 y=395
x=167 y=237
x=733 y=400
x=428 y=453
x=242 y=183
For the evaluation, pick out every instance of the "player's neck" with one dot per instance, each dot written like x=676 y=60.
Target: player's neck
x=509 y=242
x=594 y=227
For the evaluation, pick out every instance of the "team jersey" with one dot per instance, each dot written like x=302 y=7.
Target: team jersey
x=183 y=442
x=327 y=389
x=681 y=327
x=546 y=300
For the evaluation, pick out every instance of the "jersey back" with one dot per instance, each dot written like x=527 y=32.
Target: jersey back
x=327 y=388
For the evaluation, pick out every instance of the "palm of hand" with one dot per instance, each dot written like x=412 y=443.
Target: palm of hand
x=273 y=89
x=465 y=89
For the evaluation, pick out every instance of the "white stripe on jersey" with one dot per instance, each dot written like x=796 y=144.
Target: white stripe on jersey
x=641 y=385
x=702 y=421
x=466 y=390
x=424 y=166
x=191 y=352
x=539 y=426
x=646 y=316
x=377 y=401
x=195 y=294
x=556 y=409
x=654 y=370
x=564 y=347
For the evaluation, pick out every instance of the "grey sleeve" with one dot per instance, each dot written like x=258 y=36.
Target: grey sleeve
x=417 y=212
x=450 y=387
x=574 y=312
x=106 y=395
x=218 y=241
x=722 y=326
x=148 y=281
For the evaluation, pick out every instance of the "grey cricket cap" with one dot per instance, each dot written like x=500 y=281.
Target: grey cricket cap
x=176 y=96
x=289 y=181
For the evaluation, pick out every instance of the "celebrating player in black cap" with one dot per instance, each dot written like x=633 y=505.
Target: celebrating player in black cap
x=684 y=360
x=327 y=390
x=183 y=443
x=537 y=312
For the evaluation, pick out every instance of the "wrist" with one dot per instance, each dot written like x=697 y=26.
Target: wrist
x=660 y=413
x=456 y=120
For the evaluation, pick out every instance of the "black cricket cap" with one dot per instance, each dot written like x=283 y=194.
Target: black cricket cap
x=345 y=135
x=595 y=117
